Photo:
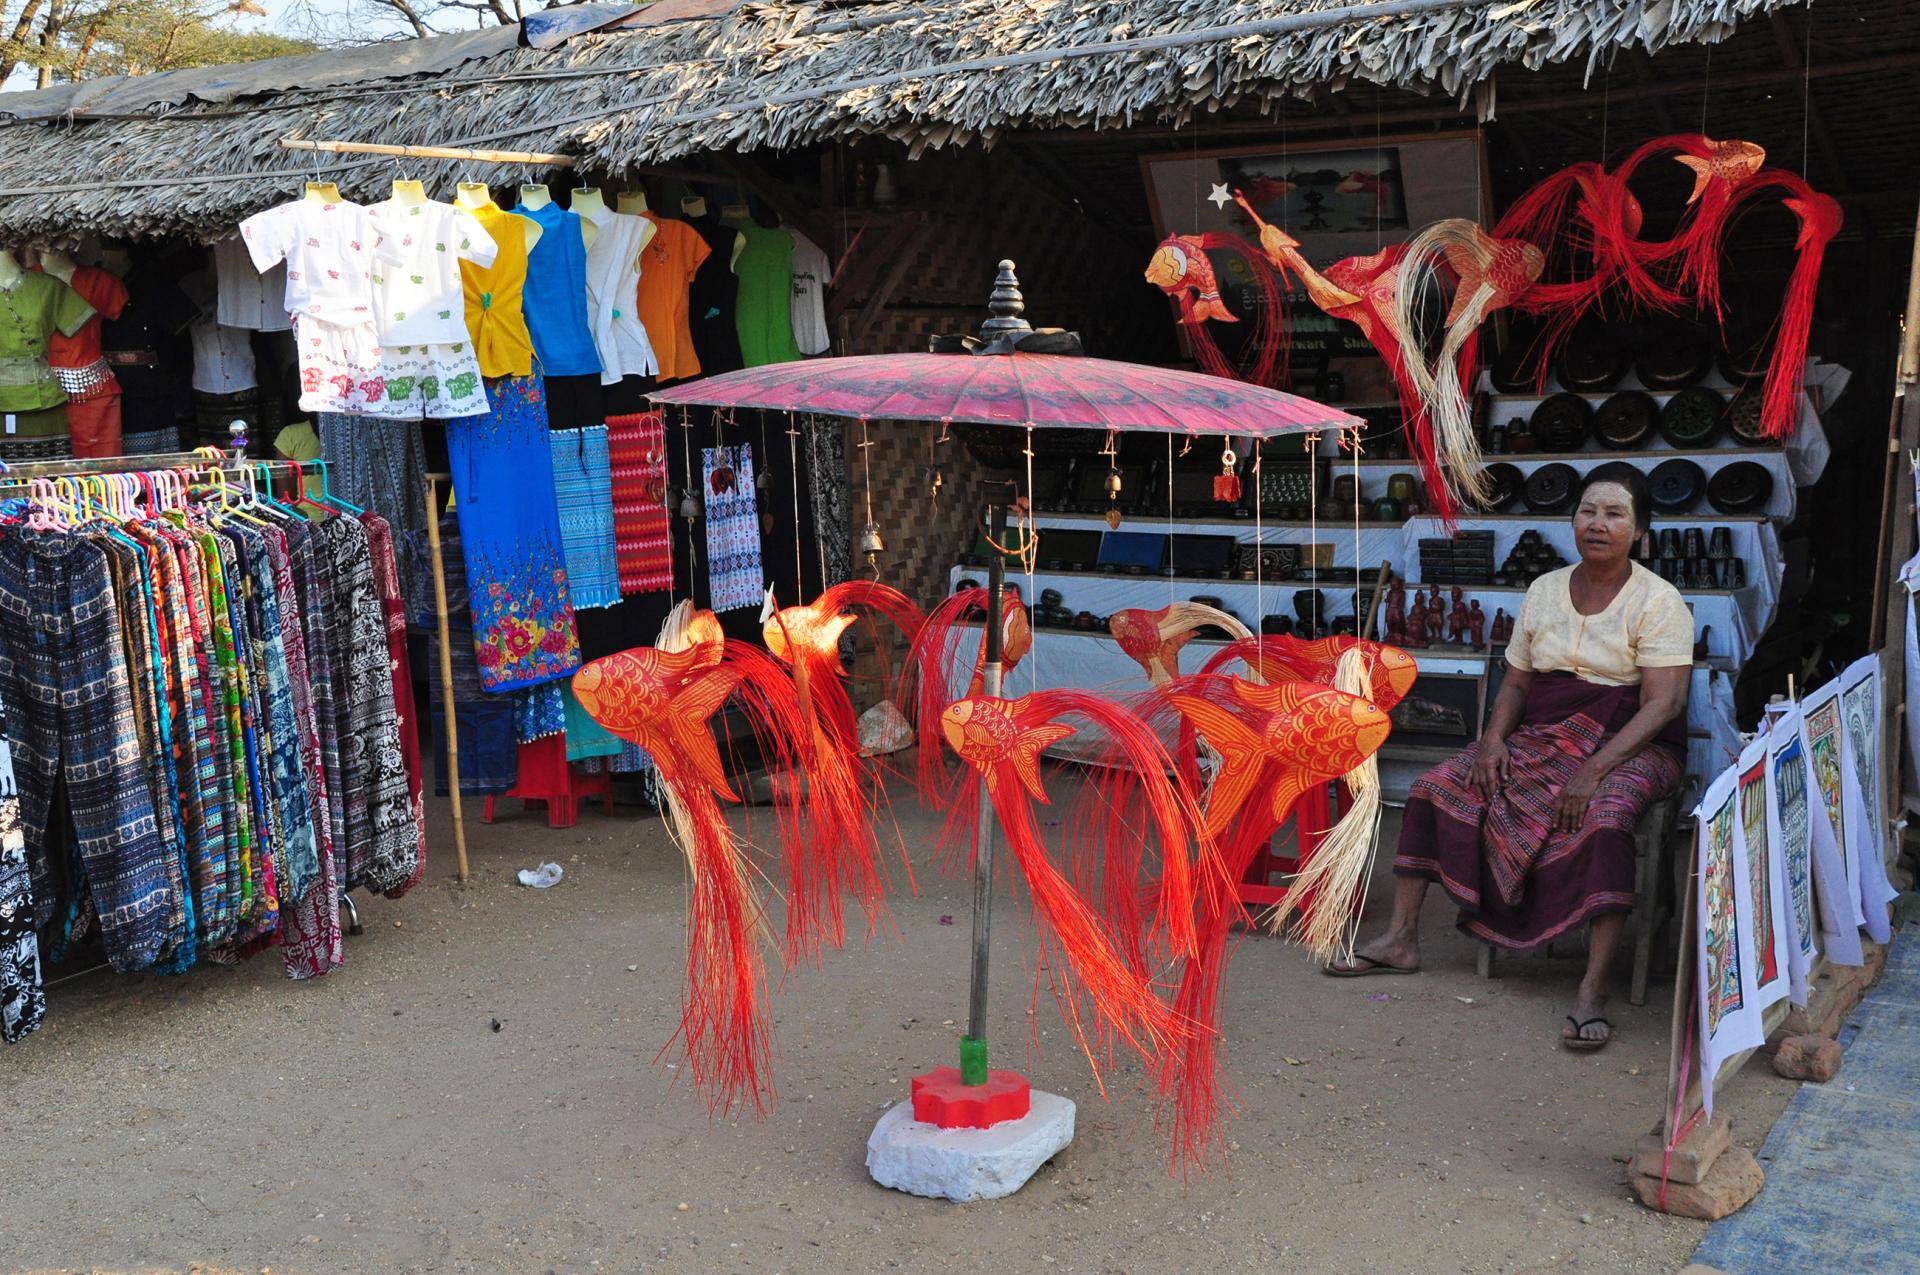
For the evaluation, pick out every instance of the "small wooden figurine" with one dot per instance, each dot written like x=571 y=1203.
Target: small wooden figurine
x=1417 y=622
x=1476 y=626
x=1457 y=619
x=1396 y=621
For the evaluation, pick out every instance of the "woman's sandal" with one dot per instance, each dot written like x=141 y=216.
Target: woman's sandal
x=1371 y=967
x=1580 y=1044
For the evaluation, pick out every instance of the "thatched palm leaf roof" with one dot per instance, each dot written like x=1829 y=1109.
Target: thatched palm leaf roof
x=785 y=74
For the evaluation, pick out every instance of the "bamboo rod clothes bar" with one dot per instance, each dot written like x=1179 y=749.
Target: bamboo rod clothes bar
x=542 y=159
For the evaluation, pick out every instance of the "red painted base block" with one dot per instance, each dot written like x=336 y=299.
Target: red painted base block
x=939 y=1098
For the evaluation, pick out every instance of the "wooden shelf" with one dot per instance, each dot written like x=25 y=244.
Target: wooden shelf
x=1330 y=528
x=1520 y=458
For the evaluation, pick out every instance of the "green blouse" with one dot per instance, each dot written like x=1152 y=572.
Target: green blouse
x=30 y=312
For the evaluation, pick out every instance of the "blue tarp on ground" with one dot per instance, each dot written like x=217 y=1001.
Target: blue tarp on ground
x=1844 y=1159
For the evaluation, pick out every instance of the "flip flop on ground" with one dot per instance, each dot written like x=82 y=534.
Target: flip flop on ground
x=1366 y=966
x=1581 y=1044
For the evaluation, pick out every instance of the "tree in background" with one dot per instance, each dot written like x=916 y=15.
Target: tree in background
x=66 y=40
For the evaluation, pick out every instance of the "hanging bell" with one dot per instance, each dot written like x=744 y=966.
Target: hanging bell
x=1226 y=484
x=870 y=541
x=690 y=507
x=936 y=479
x=760 y=481
x=1113 y=497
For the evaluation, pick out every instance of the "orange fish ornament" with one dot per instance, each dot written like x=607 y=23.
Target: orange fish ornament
x=1152 y=639
x=1002 y=739
x=662 y=700
x=935 y=672
x=1276 y=742
x=1180 y=268
x=831 y=833
x=1275 y=737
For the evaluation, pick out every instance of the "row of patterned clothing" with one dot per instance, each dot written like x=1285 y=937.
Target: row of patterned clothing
x=401 y=307
x=210 y=720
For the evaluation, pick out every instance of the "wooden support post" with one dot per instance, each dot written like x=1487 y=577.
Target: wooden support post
x=446 y=671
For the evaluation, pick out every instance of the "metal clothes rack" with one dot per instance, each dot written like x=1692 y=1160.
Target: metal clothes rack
x=19 y=475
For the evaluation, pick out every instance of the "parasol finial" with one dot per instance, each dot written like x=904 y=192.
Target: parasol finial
x=1006 y=305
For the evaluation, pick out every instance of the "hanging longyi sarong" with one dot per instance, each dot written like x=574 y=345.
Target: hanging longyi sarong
x=523 y=626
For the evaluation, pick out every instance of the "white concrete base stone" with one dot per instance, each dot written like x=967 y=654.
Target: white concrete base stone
x=967 y=1164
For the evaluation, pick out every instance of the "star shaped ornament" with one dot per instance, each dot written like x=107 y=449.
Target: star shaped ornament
x=1221 y=196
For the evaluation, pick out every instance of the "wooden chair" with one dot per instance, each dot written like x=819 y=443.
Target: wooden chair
x=1653 y=891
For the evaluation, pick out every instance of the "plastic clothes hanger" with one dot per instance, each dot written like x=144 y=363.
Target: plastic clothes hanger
x=326 y=492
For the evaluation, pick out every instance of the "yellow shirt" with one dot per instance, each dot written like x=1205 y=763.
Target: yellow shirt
x=495 y=319
x=1647 y=625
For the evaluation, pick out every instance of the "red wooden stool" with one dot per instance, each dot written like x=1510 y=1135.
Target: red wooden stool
x=1313 y=816
x=545 y=776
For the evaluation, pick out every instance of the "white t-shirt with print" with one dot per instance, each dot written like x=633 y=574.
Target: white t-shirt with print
x=329 y=251
x=416 y=281
x=811 y=271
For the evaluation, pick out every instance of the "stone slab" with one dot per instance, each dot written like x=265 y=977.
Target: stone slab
x=1692 y=1159
x=1734 y=1179
x=967 y=1164
x=1812 y=1058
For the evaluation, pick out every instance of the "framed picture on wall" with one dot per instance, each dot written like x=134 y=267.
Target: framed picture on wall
x=1339 y=199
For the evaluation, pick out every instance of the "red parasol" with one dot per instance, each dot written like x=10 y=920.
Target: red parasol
x=1004 y=381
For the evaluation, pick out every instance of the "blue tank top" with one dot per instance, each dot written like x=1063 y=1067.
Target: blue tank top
x=555 y=299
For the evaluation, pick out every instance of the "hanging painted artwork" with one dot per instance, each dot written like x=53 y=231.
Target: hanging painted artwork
x=1727 y=1002
x=1790 y=833
x=1766 y=883
x=733 y=528
x=1860 y=719
x=1836 y=885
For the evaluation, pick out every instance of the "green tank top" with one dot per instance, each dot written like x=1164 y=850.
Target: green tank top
x=763 y=315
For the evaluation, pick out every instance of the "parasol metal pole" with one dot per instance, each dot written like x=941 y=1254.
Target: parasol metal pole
x=973 y=1046
x=446 y=671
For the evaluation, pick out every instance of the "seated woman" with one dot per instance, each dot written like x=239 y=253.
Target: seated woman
x=1530 y=830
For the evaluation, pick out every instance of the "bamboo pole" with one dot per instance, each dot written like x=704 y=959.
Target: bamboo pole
x=541 y=158
x=446 y=670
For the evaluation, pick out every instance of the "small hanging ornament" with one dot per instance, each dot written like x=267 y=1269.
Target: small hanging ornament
x=721 y=480
x=870 y=542
x=1226 y=484
x=690 y=506
x=1113 y=498
x=936 y=479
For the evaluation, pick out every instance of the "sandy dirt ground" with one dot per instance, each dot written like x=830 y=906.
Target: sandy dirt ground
x=376 y=1120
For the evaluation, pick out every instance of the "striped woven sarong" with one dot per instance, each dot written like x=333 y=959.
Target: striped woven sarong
x=583 y=490
x=643 y=541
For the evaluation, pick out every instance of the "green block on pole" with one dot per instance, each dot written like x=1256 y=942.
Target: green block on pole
x=973 y=1061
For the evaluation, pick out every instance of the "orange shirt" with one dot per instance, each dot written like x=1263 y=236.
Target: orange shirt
x=666 y=271
x=108 y=297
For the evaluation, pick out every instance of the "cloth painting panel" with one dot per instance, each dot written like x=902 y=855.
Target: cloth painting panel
x=1861 y=735
x=1729 y=1013
x=1835 y=885
x=1790 y=831
x=1764 y=880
